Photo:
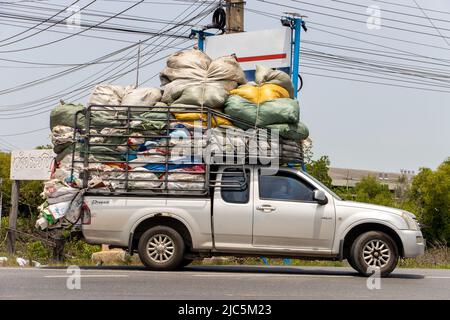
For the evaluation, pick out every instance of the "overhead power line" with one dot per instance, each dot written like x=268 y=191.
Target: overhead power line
x=412 y=7
x=432 y=23
x=392 y=11
x=37 y=25
x=349 y=19
x=113 y=27
x=23 y=132
x=73 y=35
x=118 y=74
x=24 y=86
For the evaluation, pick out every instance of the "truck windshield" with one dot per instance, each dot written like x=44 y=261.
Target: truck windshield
x=322 y=185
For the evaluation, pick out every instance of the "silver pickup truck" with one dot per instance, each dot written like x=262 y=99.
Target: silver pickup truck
x=287 y=214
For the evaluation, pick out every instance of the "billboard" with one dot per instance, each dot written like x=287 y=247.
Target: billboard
x=31 y=164
x=271 y=48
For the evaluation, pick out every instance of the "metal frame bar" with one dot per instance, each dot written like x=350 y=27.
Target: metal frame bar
x=164 y=138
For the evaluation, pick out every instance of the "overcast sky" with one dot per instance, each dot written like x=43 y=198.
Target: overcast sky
x=357 y=124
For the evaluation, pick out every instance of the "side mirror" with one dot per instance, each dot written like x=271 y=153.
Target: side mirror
x=320 y=197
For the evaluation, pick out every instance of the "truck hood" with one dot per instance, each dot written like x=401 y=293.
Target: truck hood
x=368 y=206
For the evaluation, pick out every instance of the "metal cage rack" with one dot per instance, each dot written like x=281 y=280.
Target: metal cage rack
x=148 y=151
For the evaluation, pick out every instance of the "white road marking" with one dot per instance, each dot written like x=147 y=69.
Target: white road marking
x=92 y=276
x=434 y=277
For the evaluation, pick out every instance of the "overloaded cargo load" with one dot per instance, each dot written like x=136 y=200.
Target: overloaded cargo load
x=144 y=141
x=191 y=78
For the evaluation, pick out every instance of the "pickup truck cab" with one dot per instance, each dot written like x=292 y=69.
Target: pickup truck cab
x=288 y=214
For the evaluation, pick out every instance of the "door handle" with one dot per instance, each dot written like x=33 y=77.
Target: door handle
x=326 y=218
x=265 y=208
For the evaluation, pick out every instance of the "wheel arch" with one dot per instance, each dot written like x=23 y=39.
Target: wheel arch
x=161 y=219
x=359 y=229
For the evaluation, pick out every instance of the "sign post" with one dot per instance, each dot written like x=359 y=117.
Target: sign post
x=25 y=165
x=13 y=216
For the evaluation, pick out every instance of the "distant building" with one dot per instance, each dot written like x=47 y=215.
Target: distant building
x=350 y=177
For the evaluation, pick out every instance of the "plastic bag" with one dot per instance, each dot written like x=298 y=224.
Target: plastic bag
x=265 y=74
x=261 y=93
x=107 y=94
x=141 y=96
x=195 y=118
x=191 y=77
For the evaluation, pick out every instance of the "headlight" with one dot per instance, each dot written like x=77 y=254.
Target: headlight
x=410 y=221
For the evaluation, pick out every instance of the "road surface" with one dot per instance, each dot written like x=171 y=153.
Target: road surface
x=220 y=282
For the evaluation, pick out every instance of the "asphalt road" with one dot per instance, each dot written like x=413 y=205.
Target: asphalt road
x=220 y=282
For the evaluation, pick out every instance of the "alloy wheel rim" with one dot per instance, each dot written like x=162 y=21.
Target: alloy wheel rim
x=160 y=248
x=376 y=253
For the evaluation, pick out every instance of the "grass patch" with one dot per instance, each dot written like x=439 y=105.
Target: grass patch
x=436 y=256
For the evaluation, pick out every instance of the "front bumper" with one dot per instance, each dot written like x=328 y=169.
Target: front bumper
x=413 y=243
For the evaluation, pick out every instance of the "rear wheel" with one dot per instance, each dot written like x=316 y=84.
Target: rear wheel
x=161 y=248
x=372 y=250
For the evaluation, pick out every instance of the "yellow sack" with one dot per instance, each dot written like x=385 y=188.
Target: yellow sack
x=260 y=94
x=191 y=117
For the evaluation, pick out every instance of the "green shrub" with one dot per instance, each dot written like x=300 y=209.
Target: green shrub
x=37 y=251
x=78 y=250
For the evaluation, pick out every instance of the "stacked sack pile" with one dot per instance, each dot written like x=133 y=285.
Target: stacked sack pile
x=268 y=103
x=60 y=192
x=191 y=78
x=63 y=193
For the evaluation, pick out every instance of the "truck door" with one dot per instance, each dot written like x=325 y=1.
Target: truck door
x=286 y=215
x=233 y=211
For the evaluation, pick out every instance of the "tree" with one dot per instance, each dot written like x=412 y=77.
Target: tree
x=319 y=169
x=5 y=163
x=370 y=190
x=430 y=194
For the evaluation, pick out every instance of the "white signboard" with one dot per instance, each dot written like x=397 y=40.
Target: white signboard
x=271 y=48
x=31 y=164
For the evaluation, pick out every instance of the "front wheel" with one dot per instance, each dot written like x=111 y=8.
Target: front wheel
x=161 y=248
x=374 y=250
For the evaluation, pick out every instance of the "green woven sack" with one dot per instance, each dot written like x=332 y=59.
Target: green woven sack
x=277 y=111
x=64 y=115
x=297 y=131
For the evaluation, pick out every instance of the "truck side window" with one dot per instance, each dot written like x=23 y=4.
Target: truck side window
x=235 y=194
x=284 y=186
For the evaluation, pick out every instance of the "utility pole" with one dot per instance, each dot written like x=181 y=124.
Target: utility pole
x=235 y=16
x=138 y=64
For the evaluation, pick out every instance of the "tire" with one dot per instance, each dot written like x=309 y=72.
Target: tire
x=351 y=262
x=161 y=248
x=374 y=249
